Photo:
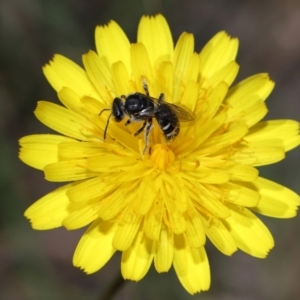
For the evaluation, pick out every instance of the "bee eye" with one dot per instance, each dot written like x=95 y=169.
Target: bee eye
x=117 y=109
x=118 y=117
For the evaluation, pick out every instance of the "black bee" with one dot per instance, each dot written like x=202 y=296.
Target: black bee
x=143 y=108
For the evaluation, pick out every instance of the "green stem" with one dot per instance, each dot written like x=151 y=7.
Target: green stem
x=114 y=288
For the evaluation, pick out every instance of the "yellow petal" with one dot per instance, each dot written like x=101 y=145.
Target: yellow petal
x=219 y=236
x=177 y=222
x=154 y=33
x=240 y=195
x=204 y=175
x=68 y=170
x=252 y=115
x=276 y=200
x=224 y=140
x=142 y=68
x=63 y=120
x=99 y=72
x=217 y=53
x=259 y=153
x=215 y=99
x=202 y=132
x=127 y=228
x=182 y=77
x=137 y=259
x=95 y=248
x=80 y=217
x=190 y=96
x=176 y=219
x=70 y=99
x=286 y=131
x=90 y=189
x=146 y=195
x=191 y=266
x=49 y=211
x=110 y=163
x=121 y=79
x=76 y=149
x=62 y=72
x=39 y=150
x=164 y=251
x=153 y=219
x=249 y=233
x=194 y=229
x=112 y=44
x=227 y=74
x=182 y=56
x=138 y=171
x=164 y=81
x=209 y=201
x=242 y=172
x=176 y=190
x=192 y=70
x=252 y=89
x=116 y=201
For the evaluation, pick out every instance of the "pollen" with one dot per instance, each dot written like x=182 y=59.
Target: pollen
x=162 y=156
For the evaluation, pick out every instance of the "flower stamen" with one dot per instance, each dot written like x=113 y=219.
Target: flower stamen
x=162 y=156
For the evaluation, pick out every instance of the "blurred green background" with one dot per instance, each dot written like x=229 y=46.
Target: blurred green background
x=37 y=265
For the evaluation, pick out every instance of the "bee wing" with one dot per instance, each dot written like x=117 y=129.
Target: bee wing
x=182 y=114
x=179 y=114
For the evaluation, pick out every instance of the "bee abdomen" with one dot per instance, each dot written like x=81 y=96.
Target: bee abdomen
x=172 y=134
x=170 y=131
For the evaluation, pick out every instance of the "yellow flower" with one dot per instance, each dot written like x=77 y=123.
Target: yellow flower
x=160 y=205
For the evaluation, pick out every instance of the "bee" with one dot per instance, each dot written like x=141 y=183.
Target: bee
x=143 y=108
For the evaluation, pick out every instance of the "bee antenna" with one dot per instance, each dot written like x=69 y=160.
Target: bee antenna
x=161 y=98
x=103 y=111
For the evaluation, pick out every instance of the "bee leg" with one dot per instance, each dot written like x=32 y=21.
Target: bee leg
x=141 y=129
x=149 y=126
x=127 y=122
x=145 y=86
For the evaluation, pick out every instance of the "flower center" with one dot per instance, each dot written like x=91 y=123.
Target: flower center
x=162 y=156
